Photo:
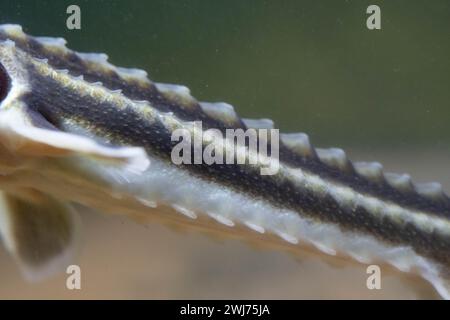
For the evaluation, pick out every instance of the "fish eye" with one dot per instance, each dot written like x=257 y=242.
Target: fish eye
x=4 y=83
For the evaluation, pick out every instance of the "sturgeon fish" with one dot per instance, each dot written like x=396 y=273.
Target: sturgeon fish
x=75 y=129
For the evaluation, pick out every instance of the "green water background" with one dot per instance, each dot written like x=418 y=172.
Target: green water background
x=311 y=66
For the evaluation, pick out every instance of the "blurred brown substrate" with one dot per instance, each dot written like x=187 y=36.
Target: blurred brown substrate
x=123 y=259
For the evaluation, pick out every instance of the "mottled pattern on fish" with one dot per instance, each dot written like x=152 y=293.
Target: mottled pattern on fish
x=318 y=196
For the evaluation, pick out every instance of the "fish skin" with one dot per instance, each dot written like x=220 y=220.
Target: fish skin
x=317 y=192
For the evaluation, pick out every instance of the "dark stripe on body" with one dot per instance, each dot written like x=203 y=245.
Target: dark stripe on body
x=111 y=80
x=141 y=91
x=127 y=127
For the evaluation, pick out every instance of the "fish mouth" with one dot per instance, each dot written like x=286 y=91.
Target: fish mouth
x=5 y=83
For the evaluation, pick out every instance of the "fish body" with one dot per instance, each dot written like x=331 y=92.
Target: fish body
x=76 y=129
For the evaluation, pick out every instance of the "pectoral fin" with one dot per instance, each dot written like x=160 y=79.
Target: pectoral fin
x=39 y=231
x=22 y=137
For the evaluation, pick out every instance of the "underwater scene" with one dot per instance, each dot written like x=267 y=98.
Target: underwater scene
x=224 y=149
